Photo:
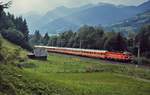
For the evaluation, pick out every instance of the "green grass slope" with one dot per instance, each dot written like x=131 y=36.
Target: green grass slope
x=81 y=76
x=10 y=52
x=65 y=75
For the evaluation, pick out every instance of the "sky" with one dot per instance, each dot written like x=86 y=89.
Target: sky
x=20 y=7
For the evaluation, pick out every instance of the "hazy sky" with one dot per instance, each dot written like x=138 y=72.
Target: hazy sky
x=42 y=6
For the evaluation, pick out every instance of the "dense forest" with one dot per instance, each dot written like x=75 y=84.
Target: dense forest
x=13 y=28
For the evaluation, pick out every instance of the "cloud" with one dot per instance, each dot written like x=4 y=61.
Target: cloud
x=42 y=6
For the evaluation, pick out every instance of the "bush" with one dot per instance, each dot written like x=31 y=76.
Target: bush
x=16 y=37
x=147 y=54
x=143 y=61
x=91 y=69
x=1 y=57
x=26 y=65
x=7 y=87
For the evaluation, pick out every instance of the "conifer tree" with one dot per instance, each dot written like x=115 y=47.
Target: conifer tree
x=46 y=39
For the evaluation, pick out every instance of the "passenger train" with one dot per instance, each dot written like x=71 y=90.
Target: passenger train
x=101 y=54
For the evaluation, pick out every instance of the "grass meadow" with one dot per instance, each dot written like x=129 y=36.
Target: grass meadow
x=69 y=75
x=83 y=76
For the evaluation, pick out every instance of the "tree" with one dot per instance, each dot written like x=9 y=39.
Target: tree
x=6 y=22
x=25 y=30
x=85 y=34
x=21 y=25
x=71 y=40
x=1 y=52
x=13 y=29
x=116 y=43
x=36 y=39
x=3 y=6
x=98 y=38
x=16 y=37
x=46 y=39
x=65 y=37
x=90 y=37
x=53 y=41
x=143 y=39
x=131 y=39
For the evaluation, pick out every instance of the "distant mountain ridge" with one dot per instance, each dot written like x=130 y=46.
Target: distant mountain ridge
x=62 y=18
x=131 y=24
x=52 y=15
x=145 y=6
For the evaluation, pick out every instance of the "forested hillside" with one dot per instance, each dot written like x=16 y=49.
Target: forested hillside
x=133 y=24
x=14 y=29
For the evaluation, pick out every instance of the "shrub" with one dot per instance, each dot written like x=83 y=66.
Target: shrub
x=91 y=69
x=7 y=87
x=147 y=54
x=1 y=57
x=143 y=61
x=26 y=65
x=16 y=37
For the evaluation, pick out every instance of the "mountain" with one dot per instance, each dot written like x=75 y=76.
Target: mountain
x=145 y=6
x=132 y=24
x=62 y=12
x=106 y=14
x=52 y=15
x=62 y=18
x=32 y=19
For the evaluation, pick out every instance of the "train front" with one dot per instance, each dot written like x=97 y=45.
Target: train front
x=128 y=56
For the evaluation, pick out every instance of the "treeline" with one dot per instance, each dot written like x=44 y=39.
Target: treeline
x=14 y=29
x=89 y=37
x=38 y=39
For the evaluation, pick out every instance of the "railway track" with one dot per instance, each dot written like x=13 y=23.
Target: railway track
x=97 y=60
x=82 y=58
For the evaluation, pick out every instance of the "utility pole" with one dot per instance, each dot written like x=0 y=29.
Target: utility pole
x=57 y=43
x=80 y=43
x=51 y=42
x=62 y=42
x=139 y=53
